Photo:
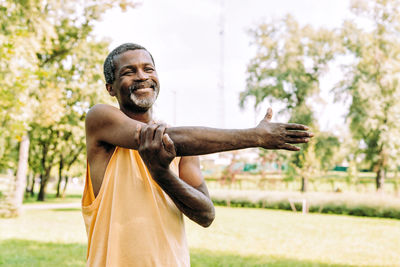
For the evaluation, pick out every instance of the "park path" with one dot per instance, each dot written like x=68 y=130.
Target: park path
x=50 y=206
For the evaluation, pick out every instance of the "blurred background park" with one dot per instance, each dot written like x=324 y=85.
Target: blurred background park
x=332 y=65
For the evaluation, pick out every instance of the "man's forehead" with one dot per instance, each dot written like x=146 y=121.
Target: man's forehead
x=130 y=57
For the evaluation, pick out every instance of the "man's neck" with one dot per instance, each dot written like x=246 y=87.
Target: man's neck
x=145 y=117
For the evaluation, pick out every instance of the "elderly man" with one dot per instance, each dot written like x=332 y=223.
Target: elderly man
x=141 y=176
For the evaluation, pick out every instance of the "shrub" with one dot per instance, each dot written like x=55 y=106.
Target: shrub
x=370 y=205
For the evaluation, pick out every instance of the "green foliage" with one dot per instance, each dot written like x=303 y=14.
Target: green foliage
x=306 y=164
x=19 y=42
x=371 y=81
x=289 y=62
x=326 y=147
x=50 y=74
x=291 y=59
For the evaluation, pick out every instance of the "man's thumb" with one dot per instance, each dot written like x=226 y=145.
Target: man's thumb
x=268 y=116
x=168 y=143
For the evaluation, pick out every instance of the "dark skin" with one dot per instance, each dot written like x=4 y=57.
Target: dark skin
x=132 y=127
x=157 y=151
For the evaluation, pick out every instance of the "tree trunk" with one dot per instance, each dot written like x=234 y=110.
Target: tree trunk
x=20 y=180
x=380 y=179
x=43 y=184
x=42 y=193
x=60 y=167
x=58 y=186
x=28 y=182
x=66 y=178
x=304 y=184
x=32 y=189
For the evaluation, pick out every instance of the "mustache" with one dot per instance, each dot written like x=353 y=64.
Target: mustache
x=135 y=86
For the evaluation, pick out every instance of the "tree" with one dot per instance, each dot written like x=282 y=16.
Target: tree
x=289 y=62
x=326 y=149
x=20 y=178
x=59 y=130
x=39 y=39
x=22 y=30
x=372 y=82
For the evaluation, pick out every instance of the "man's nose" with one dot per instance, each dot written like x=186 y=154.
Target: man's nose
x=141 y=75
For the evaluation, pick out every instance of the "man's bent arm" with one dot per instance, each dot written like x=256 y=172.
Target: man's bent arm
x=108 y=124
x=189 y=192
x=191 y=201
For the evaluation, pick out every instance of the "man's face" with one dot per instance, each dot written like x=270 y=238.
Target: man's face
x=136 y=82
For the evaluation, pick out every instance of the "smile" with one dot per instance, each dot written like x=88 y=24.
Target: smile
x=143 y=90
x=141 y=87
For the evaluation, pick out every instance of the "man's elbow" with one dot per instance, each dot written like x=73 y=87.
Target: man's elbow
x=207 y=218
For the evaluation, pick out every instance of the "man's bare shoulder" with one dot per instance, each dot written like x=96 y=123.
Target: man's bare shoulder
x=106 y=124
x=100 y=110
x=99 y=115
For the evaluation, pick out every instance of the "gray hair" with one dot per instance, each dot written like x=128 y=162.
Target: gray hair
x=109 y=66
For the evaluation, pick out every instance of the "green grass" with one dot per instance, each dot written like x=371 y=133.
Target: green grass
x=207 y=258
x=51 y=198
x=238 y=237
x=21 y=252
x=287 y=236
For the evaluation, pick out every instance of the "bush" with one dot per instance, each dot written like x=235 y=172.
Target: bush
x=369 y=205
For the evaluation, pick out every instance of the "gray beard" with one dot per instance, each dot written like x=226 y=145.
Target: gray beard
x=145 y=102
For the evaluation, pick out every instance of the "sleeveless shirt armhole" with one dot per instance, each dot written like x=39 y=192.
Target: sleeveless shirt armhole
x=88 y=199
x=88 y=194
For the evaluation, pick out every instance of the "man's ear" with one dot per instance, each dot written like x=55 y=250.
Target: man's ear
x=110 y=89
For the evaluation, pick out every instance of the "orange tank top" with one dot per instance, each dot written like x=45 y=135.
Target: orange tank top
x=132 y=221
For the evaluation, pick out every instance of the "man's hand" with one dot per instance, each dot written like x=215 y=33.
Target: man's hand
x=157 y=151
x=156 y=148
x=281 y=135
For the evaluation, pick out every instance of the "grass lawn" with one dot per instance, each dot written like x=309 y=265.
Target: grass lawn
x=238 y=237
x=51 y=198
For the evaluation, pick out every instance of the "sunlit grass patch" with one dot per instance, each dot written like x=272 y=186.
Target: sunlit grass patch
x=63 y=226
x=207 y=258
x=238 y=237
x=22 y=252
x=322 y=239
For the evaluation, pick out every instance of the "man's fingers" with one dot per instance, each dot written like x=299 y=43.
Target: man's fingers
x=137 y=132
x=168 y=143
x=295 y=126
x=268 y=116
x=159 y=132
x=150 y=131
x=143 y=133
x=296 y=134
x=290 y=147
x=297 y=140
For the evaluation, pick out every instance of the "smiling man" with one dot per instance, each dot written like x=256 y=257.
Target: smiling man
x=142 y=176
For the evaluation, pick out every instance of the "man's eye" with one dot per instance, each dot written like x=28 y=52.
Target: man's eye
x=149 y=69
x=127 y=72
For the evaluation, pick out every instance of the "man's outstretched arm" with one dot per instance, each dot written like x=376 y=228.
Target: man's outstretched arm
x=108 y=124
x=202 y=140
x=188 y=191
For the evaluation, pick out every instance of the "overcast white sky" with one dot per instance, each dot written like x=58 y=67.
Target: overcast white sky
x=183 y=36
